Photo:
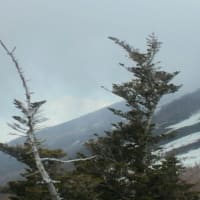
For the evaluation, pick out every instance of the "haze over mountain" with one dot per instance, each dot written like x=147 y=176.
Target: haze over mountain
x=63 y=45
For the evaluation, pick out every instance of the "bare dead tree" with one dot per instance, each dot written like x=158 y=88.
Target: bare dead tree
x=27 y=123
x=26 y=126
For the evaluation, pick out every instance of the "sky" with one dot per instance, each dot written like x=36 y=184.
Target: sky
x=64 y=51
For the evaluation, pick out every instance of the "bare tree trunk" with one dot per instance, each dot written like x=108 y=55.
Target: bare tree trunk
x=30 y=110
x=45 y=176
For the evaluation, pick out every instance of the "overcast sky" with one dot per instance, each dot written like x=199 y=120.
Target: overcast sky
x=63 y=48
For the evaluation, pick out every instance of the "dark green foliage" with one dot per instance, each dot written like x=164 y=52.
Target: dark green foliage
x=169 y=184
x=31 y=187
x=79 y=186
x=126 y=164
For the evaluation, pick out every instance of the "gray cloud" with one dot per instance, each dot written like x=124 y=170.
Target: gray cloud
x=63 y=46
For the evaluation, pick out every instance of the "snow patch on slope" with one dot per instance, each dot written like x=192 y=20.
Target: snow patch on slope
x=189 y=139
x=191 y=158
x=193 y=119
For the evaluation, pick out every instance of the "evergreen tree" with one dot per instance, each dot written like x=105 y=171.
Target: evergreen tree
x=167 y=175
x=126 y=165
x=31 y=187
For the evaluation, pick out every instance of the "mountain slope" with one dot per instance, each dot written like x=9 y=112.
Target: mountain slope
x=69 y=136
x=181 y=115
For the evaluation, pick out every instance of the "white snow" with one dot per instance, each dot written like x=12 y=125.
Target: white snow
x=189 y=139
x=193 y=119
x=191 y=158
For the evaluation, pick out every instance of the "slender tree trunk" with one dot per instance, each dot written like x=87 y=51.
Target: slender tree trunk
x=30 y=133
x=45 y=176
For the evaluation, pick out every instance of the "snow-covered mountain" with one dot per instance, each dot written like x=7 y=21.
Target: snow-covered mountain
x=181 y=115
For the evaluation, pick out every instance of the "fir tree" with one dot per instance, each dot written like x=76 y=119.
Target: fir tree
x=126 y=164
x=168 y=178
x=31 y=186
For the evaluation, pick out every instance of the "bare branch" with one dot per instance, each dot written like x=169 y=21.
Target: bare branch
x=68 y=161
x=44 y=182
x=19 y=70
x=30 y=110
x=32 y=174
x=17 y=127
x=17 y=134
x=13 y=50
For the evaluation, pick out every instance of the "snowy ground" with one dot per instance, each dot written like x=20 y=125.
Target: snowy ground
x=189 y=139
x=193 y=119
x=191 y=158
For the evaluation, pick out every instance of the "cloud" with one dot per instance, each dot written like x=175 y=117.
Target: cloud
x=60 y=110
x=69 y=107
x=6 y=131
